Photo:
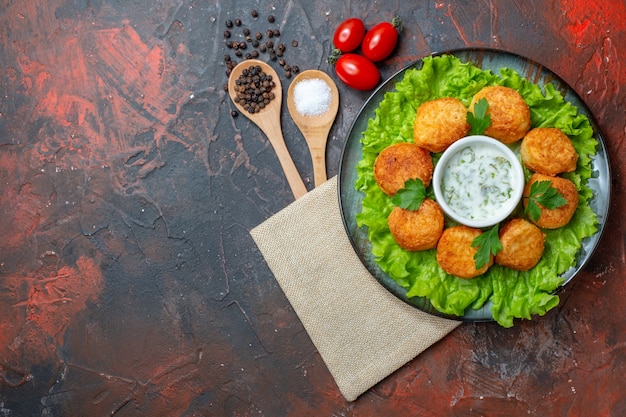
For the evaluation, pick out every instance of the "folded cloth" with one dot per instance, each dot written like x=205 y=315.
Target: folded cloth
x=362 y=332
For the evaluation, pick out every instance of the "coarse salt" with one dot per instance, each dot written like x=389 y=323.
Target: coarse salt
x=312 y=96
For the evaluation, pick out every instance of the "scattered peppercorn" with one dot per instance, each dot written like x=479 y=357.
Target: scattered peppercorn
x=254 y=97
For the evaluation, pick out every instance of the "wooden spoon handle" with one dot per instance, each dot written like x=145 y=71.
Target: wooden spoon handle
x=318 y=154
x=291 y=172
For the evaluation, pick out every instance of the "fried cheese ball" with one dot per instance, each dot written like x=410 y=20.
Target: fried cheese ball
x=510 y=115
x=560 y=216
x=549 y=151
x=400 y=162
x=522 y=245
x=455 y=253
x=416 y=230
x=439 y=123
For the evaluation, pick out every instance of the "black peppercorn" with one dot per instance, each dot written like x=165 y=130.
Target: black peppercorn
x=237 y=22
x=254 y=13
x=253 y=88
x=271 y=18
x=276 y=32
x=227 y=33
x=234 y=113
x=229 y=23
x=246 y=32
x=294 y=43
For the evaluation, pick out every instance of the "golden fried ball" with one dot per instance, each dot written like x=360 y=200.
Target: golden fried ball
x=522 y=245
x=419 y=229
x=439 y=123
x=510 y=115
x=401 y=162
x=560 y=216
x=549 y=151
x=455 y=253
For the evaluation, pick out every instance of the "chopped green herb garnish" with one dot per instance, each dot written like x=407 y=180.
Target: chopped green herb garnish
x=411 y=196
x=479 y=120
x=488 y=244
x=542 y=192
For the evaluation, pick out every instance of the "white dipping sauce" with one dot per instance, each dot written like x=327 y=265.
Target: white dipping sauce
x=478 y=182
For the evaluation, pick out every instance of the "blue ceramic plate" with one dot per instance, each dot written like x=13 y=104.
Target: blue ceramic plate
x=350 y=199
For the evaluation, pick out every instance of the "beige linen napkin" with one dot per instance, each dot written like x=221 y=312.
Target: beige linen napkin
x=362 y=332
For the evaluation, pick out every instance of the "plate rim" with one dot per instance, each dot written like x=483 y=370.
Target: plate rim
x=598 y=136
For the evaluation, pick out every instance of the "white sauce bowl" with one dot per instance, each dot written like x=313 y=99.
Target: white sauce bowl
x=478 y=181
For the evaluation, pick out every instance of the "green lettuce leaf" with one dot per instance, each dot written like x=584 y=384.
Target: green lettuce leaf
x=511 y=294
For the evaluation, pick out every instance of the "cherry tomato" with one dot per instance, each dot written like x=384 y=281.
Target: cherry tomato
x=349 y=34
x=357 y=72
x=380 y=41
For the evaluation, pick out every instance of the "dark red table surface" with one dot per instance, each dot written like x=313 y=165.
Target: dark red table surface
x=129 y=283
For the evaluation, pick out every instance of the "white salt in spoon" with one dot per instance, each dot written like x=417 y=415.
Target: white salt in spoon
x=268 y=120
x=315 y=125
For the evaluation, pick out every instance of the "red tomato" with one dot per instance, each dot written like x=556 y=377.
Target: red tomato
x=357 y=72
x=381 y=40
x=349 y=34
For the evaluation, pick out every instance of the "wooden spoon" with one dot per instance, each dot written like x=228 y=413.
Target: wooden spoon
x=315 y=128
x=268 y=120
